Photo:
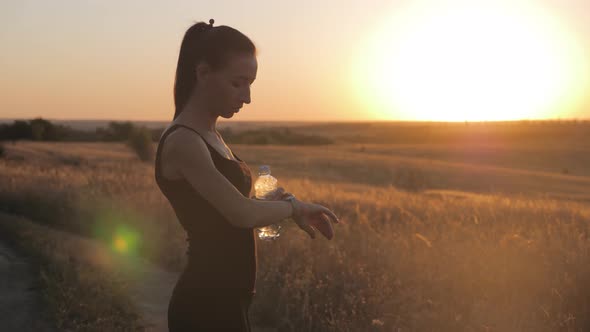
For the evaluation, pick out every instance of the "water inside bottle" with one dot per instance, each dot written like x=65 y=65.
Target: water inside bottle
x=264 y=185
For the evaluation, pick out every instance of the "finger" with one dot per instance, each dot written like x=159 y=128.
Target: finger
x=309 y=230
x=325 y=217
x=285 y=195
x=277 y=193
x=325 y=229
x=330 y=214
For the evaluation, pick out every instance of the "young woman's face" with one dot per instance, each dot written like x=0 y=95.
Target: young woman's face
x=229 y=87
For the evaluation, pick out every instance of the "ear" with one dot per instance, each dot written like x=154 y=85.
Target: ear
x=202 y=71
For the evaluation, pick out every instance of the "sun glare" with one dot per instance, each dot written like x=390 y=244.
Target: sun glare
x=469 y=61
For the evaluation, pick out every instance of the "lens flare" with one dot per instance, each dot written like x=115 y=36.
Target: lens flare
x=120 y=244
x=115 y=228
x=124 y=240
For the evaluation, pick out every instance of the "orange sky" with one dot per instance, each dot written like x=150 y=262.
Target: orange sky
x=116 y=60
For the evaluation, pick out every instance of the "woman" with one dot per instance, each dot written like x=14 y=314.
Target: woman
x=209 y=186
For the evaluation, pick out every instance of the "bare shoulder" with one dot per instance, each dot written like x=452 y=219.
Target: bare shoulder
x=183 y=138
x=180 y=147
x=184 y=145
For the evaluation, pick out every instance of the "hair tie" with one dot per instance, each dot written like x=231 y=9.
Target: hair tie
x=206 y=27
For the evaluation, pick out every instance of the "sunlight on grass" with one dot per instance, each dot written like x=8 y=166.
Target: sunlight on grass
x=437 y=237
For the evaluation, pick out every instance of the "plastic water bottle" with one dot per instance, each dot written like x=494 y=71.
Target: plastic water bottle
x=264 y=185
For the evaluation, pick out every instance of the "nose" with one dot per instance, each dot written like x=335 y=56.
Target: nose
x=246 y=96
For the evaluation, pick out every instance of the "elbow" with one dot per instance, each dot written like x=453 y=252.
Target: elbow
x=242 y=222
x=244 y=219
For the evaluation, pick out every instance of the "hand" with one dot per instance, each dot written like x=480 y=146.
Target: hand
x=322 y=223
x=277 y=194
x=309 y=215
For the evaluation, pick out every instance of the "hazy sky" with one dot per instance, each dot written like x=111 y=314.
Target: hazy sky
x=116 y=59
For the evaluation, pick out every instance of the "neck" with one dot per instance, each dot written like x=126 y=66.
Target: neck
x=198 y=114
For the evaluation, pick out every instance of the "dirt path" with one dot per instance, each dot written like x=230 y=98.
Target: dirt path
x=20 y=308
x=148 y=285
x=150 y=288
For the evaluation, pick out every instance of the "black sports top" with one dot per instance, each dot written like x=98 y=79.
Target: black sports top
x=221 y=257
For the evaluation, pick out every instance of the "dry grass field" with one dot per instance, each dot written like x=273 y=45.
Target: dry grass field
x=446 y=235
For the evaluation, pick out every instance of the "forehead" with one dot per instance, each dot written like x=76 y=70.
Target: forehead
x=242 y=65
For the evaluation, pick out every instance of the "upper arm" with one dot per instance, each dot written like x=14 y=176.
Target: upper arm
x=192 y=157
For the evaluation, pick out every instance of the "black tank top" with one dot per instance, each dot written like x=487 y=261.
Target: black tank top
x=221 y=257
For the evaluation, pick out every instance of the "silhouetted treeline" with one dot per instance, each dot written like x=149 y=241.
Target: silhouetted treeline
x=43 y=130
x=37 y=130
x=123 y=132
x=40 y=129
x=278 y=136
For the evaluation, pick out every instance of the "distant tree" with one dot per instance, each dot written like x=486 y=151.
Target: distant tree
x=43 y=130
x=116 y=131
x=140 y=141
x=18 y=130
x=102 y=134
x=37 y=129
x=156 y=134
x=4 y=132
x=121 y=130
x=21 y=129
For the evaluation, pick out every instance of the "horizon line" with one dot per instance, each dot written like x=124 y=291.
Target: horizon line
x=306 y=121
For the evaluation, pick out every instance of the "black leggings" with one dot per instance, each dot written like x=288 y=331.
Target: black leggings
x=192 y=310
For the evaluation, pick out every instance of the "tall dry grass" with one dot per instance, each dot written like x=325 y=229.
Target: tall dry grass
x=78 y=294
x=403 y=260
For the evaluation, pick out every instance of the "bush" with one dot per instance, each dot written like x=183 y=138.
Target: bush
x=140 y=141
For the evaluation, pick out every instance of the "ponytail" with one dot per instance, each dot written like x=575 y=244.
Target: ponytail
x=203 y=42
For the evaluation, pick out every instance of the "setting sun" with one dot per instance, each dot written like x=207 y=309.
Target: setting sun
x=460 y=61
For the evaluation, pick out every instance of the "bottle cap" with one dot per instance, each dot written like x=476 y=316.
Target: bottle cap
x=264 y=169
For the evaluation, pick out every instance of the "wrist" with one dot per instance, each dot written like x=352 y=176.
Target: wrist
x=294 y=209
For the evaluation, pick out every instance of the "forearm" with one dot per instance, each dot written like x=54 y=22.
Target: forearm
x=264 y=213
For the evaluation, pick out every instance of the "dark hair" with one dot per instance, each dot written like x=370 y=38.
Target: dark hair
x=211 y=44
